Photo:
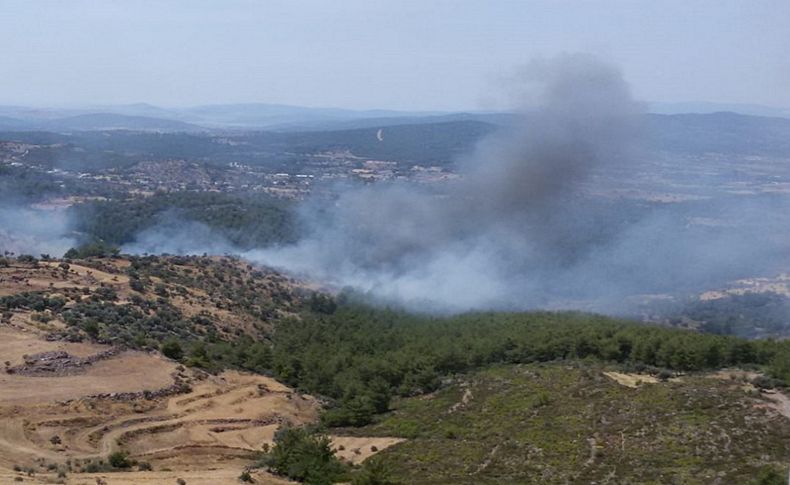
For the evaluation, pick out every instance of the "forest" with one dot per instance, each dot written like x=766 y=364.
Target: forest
x=245 y=220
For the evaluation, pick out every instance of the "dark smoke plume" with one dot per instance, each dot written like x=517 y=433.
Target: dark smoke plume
x=521 y=228
x=525 y=226
x=512 y=220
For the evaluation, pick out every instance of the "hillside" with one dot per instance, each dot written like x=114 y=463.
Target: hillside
x=575 y=422
x=110 y=121
x=98 y=122
x=87 y=394
x=194 y=367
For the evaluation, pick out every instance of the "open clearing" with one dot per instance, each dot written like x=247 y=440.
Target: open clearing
x=358 y=449
x=630 y=380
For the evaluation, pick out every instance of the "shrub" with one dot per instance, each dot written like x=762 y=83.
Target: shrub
x=304 y=456
x=172 y=349
x=664 y=375
x=119 y=459
x=137 y=285
x=92 y=329
x=541 y=399
x=93 y=467
x=373 y=472
x=769 y=476
x=764 y=382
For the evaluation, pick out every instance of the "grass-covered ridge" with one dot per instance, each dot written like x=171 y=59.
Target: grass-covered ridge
x=569 y=423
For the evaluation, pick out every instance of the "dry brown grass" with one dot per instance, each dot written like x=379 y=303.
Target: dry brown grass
x=631 y=380
x=215 y=429
x=207 y=435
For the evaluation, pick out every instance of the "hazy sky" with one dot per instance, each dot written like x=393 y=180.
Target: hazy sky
x=420 y=54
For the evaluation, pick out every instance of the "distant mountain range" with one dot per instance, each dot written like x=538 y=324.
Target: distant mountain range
x=428 y=140
x=145 y=117
x=708 y=108
x=277 y=117
x=98 y=122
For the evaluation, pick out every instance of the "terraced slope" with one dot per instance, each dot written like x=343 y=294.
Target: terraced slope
x=72 y=392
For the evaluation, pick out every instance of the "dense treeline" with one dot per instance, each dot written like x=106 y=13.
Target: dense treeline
x=247 y=221
x=361 y=356
x=749 y=315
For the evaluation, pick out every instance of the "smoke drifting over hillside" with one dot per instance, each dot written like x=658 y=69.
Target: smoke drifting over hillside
x=522 y=227
x=507 y=232
x=34 y=232
x=518 y=231
x=172 y=234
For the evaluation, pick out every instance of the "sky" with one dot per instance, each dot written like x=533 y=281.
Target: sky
x=398 y=54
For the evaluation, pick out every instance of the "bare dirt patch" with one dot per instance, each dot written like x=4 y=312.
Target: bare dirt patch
x=216 y=428
x=778 y=402
x=68 y=405
x=631 y=380
x=62 y=408
x=465 y=398
x=49 y=276
x=127 y=371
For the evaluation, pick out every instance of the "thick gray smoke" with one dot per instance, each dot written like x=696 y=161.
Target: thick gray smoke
x=498 y=236
x=529 y=223
x=520 y=229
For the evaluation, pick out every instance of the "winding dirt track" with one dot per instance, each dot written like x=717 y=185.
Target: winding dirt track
x=69 y=415
x=214 y=430
x=55 y=420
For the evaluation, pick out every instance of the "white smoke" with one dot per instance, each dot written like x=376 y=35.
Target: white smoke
x=30 y=231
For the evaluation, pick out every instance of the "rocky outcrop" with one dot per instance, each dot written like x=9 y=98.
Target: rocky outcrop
x=58 y=363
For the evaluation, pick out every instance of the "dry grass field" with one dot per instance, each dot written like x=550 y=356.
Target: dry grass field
x=66 y=406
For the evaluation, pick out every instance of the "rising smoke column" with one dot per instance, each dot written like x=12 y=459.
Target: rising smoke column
x=523 y=228
x=499 y=236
